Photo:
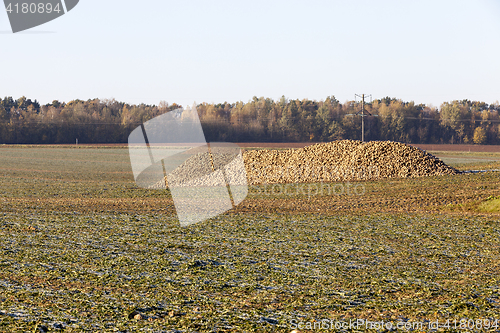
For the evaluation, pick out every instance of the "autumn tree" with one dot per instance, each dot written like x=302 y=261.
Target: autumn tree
x=479 y=136
x=259 y=119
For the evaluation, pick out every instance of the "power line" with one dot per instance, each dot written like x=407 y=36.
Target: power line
x=362 y=113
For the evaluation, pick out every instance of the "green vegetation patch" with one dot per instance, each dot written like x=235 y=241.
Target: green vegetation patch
x=82 y=249
x=491 y=205
x=242 y=272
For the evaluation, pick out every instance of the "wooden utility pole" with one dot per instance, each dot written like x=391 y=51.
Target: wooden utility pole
x=363 y=115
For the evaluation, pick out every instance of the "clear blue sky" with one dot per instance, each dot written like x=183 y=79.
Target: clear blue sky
x=215 y=51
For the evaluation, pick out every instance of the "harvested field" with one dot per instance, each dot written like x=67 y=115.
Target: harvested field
x=83 y=249
x=242 y=273
x=460 y=147
x=283 y=145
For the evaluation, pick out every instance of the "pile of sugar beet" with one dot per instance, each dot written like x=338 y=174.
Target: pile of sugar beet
x=343 y=160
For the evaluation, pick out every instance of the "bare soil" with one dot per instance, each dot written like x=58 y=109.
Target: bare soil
x=285 y=145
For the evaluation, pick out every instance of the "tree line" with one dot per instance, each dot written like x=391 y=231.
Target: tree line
x=24 y=121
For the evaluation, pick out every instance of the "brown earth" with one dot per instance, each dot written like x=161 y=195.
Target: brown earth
x=415 y=195
x=284 y=145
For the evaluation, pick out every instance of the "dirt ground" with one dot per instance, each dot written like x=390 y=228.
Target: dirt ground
x=430 y=147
